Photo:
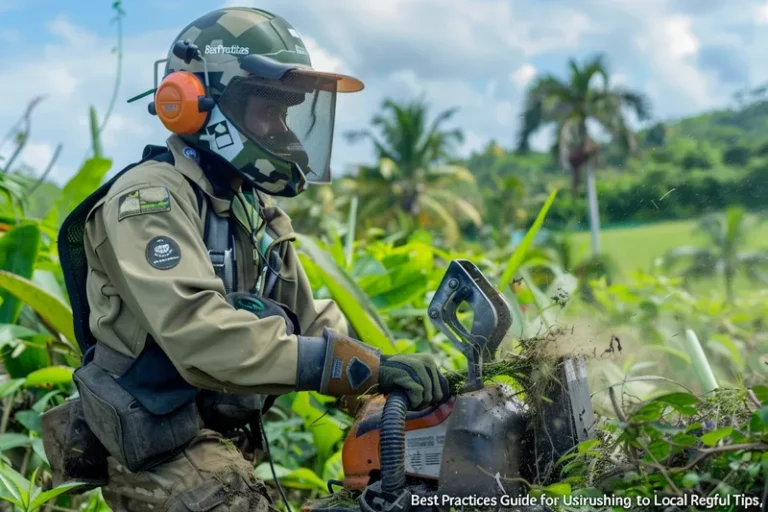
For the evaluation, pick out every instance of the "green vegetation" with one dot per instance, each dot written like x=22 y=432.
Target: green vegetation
x=657 y=338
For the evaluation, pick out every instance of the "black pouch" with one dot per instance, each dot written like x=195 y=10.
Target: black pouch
x=74 y=453
x=138 y=439
x=228 y=411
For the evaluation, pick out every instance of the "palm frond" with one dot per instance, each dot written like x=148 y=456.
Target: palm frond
x=449 y=225
x=582 y=78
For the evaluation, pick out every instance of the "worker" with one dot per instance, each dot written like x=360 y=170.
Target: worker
x=189 y=298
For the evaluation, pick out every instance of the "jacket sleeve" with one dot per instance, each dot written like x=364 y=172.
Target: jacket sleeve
x=181 y=303
x=296 y=293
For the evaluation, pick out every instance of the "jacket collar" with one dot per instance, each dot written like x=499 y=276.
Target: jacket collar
x=190 y=163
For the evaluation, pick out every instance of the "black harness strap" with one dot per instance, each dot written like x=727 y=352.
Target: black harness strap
x=220 y=242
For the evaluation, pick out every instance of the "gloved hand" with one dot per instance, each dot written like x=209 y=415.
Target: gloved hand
x=415 y=374
x=337 y=365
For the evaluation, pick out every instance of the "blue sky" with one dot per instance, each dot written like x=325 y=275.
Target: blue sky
x=479 y=55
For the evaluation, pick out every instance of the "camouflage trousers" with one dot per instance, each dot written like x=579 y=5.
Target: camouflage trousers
x=210 y=475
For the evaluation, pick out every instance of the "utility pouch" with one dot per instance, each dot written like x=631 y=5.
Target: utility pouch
x=223 y=412
x=138 y=439
x=74 y=453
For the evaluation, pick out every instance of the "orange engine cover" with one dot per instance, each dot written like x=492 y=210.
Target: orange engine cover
x=424 y=440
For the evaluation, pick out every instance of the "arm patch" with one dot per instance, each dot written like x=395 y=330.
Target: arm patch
x=143 y=200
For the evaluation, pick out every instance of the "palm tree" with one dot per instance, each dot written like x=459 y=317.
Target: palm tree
x=569 y=106
x=414 y=184
x=727 y=232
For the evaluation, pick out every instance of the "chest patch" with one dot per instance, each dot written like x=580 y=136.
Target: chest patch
x=163 y=252
x=143 y=200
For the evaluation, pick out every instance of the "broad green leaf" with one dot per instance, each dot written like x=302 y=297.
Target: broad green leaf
x=727 y=348
x=80 y=186
x=28 y=357
x=46 y=280
x=352 y=301
x=29 y=419
x=13 y=440
x=37 y=446
x=712 y=438
x=334 y=469
x=51 y=376
x=18 y=252
x=401 y=295
x=47 y=496
x=52 y=309
x=41 y=404
x=761 y=392
x=326 y=432
x=14 y=493
x=649 y=412
x=677 y=399
x=659 y=449
x=301 y=478
x=684 y=439
x=8 y=387
x=11 y=332
x=558 y=489
x=518 y=256
x=20 y=483
x=759 y=421
x=585 y=446
x=681 y=402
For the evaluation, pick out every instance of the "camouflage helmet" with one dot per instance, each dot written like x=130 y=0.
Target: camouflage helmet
x=274 y=114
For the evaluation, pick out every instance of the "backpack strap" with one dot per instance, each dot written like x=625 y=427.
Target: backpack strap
x=220 y=241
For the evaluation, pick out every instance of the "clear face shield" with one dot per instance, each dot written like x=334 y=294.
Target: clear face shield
x=290 y=119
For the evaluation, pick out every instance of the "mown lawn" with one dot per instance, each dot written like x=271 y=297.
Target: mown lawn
x=637 y=247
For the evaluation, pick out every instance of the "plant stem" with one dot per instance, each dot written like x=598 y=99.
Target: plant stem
x=700 y=362
x=7 y=406
x=25 y=462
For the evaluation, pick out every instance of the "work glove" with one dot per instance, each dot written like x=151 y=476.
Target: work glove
x=337 y=365
x=415 y=374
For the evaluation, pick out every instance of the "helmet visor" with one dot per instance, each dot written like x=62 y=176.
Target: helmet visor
x=291 y=118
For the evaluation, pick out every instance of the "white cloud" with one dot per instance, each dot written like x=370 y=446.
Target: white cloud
x=478 y=55
x=522 y=75
x=9 y=5
x=671 y=47
x=37 y=155
x=74 y=73
x=762 y=14
x=10 y=36
x=323 y=60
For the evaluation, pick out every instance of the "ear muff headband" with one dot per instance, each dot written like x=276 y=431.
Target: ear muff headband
x=178 y=103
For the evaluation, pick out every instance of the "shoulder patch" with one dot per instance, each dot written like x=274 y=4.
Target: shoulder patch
x=143 y=200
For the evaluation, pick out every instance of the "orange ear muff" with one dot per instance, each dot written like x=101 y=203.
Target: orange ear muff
x=182 y=104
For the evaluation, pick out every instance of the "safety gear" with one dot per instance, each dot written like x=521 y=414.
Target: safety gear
x=239 y=83
x=337 y=365
x=160 y=345
x=416 y=374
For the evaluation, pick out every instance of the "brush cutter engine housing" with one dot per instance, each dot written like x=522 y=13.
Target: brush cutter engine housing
x=480 y=442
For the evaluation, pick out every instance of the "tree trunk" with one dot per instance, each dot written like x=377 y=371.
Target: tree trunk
x=594 y=212
x=575 y=181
